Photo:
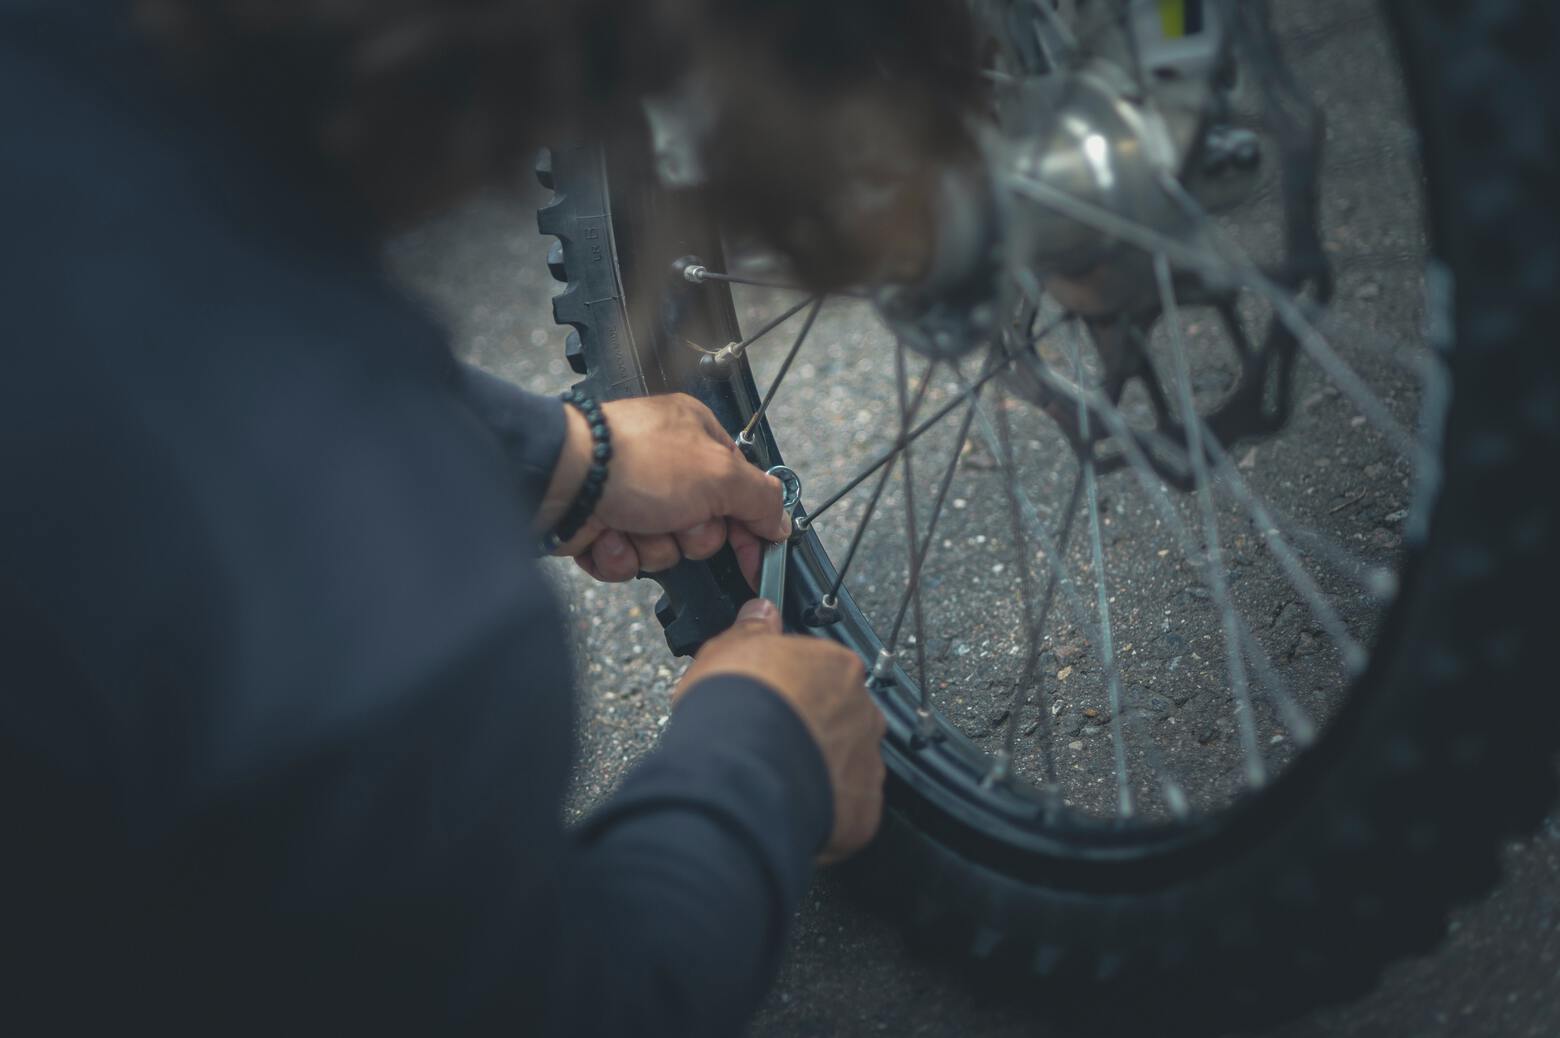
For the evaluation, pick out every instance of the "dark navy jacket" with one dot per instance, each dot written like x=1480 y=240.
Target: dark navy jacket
x=285 y=714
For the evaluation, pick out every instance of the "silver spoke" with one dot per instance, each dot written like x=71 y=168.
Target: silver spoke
x=1060 y=579
x=1054 y=21
x=913 y=591
x=872 y=502
x=922 y=548
x=1036 y=624
x=736 y=350
x=889 y=455
x=1107 y=643
x=1070 y=594
x=1301 y=728
x=1256 y=771
x=1380 y=582
x=1293 y=314
x=918 y=565
x=1002 y=764
x=746 y=435
x=1354 y=655
x=1217 y=269
x=698 y=274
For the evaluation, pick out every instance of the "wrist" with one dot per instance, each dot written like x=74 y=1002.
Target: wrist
x=574 y=525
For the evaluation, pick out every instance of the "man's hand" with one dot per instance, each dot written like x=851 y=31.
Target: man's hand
x=676 y=488
x=825 y=683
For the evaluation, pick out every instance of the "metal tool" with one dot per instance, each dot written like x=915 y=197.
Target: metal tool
x=771 y=579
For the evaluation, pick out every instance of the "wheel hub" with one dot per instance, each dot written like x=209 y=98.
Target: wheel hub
x=1094 y=137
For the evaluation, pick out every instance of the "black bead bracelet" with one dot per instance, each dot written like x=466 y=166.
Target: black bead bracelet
x=595 y=478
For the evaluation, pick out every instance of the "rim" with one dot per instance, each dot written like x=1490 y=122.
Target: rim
x=1021 y=806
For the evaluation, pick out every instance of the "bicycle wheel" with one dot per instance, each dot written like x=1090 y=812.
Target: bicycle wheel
x=1193 y=604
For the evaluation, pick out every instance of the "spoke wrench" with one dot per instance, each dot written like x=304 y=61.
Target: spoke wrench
x=771 y=580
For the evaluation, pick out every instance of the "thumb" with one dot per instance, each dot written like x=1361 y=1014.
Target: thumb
x=758 y=616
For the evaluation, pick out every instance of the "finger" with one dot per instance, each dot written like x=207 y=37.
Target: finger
x=702 y=541
x=583 y=540
x=584 y=563
x=756 y=498
x=614 y=558
x=658 y=552
x=749 y=549
x=757 y=616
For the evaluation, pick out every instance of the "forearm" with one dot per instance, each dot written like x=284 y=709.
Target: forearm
x=683 y=885
x=669 y=928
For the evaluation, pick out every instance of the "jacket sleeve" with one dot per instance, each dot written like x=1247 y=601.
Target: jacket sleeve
x=528 y=426
x=681 y=889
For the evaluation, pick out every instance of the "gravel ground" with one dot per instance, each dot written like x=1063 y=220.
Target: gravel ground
x=849 y=973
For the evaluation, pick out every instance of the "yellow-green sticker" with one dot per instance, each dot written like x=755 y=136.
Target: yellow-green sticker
x=1172 y=18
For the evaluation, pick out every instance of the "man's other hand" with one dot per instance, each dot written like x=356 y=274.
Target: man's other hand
x=677 y=488
x=825 y=683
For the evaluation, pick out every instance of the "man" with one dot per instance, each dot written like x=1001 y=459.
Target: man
x=284 y=726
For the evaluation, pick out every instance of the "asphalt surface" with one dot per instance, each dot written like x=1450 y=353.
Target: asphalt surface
x=1498 y=973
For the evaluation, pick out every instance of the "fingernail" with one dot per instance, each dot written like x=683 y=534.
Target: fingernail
x=756 y=609
x=697 y=531
x=614 y=545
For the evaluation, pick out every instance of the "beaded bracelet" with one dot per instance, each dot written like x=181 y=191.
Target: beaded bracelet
x=595 y=479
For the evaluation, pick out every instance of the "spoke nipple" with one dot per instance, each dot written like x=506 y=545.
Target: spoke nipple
x=744 y=440
x=926 y=732
x=1001 y=770
x=718 y=365
x=791 y=483
x=822 y=614
x=883 y=669
x=690 y=269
